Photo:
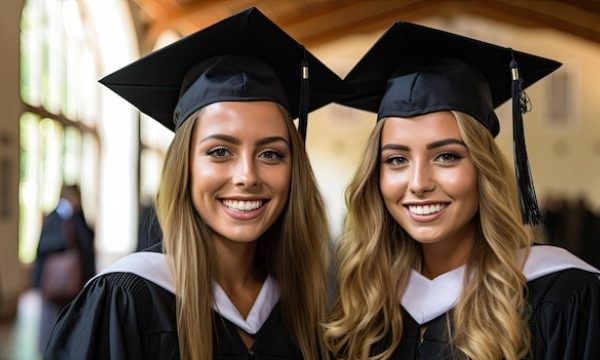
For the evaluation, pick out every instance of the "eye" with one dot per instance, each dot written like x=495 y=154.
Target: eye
x=448 y=157
x=271 y=155
x=396 y=160
x=218 y=152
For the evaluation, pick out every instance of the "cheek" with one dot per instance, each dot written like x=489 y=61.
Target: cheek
x=206 y=178
x=195 y=180
x=463 y=184
x=282 y=182
x=392 y=184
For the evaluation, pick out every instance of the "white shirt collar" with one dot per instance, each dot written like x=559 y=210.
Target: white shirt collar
x=426 y=299
x=153 y=267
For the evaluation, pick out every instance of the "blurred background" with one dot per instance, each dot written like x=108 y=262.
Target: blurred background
x=59 y=126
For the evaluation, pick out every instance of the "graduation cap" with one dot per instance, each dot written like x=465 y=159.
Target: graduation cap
x=414 y=70
x=245 y=57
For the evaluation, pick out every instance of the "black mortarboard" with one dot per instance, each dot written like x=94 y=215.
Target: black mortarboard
x=414 y=70
x=245 y=57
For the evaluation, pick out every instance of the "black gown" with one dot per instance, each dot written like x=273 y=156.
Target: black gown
x=564 y=322
x=121 y=316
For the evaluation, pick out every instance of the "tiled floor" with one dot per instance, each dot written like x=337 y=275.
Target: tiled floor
x=18 y=338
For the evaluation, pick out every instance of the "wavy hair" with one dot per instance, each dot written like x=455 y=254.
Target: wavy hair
x=294 y=250
x=375 y=256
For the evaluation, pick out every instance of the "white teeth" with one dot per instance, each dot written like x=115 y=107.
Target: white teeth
x=243 y=205
x=425 y=209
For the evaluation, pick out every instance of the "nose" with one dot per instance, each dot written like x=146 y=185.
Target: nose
x=421 y=181
x=245 y=172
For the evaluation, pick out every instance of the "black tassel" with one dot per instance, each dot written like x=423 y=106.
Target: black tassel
x=530 y=211
x=304 y=99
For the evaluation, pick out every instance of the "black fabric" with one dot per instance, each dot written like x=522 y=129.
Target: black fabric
x=149 y=231
x=564 y=322
x=271 y=342
x=211 y=64
x=436 y=84
x=566 y=316
x=228 y=78
x=410 y=62
x=121 y=316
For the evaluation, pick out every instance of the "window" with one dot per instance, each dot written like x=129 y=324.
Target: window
x=59 y=142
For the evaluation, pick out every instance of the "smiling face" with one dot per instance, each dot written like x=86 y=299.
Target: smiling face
x=240 y=168
x=428 y=180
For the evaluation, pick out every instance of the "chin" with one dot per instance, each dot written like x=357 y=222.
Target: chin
x=424 y=238
x=241 y=238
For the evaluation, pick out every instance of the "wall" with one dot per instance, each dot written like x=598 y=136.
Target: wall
x=11 y=275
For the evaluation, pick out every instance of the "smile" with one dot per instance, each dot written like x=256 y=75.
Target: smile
x=242 y=205
x=426 y=209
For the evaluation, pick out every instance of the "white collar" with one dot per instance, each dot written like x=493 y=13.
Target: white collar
x=146 y=264
x=426 y=299
x=153 y=267
x=261 y=309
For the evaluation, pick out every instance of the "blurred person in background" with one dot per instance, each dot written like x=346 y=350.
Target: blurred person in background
x=64 y=229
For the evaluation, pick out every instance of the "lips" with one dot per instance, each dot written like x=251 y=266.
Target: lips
x=424 y=210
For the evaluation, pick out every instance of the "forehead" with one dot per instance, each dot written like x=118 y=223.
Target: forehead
x=246 y=119
x=422 y=129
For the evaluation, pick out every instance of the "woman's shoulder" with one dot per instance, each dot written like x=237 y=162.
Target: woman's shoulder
x=137 y=287
x=125 y=282
x=125 y=289
x=141 y=279
x=137 y=267
x=568 y=287
x=115 y=313
x=565 y=315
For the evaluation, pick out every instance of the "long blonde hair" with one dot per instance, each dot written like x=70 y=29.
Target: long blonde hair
x=375 y=256
x=293 y=251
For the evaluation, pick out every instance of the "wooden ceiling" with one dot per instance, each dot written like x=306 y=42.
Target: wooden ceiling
x=314 y=22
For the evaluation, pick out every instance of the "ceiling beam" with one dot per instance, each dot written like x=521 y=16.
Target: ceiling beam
x=314 y=22
x=155 y=9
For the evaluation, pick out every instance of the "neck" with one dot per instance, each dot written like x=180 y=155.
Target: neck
x=236 y=264
x=237 y=273
x=447 y=254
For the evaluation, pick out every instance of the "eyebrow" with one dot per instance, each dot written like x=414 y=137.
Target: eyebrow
x=395 y=147
x=433 y=145
x=236 y=141
x=271 y=139
x=437 y=144
x=226 y=138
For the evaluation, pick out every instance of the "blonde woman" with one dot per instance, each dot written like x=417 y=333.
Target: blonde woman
x=242 y=270
x=435 y=262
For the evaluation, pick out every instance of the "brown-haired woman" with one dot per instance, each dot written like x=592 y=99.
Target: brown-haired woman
x=242 y=272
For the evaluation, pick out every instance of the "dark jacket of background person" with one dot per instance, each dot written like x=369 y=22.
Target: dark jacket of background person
x=66 y=217
x=51 y=240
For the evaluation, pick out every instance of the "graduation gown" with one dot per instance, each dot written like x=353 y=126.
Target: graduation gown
x=121 y=315
x=564 y=313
